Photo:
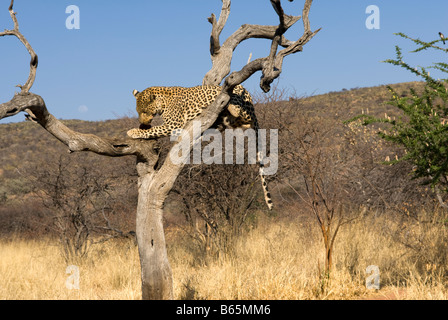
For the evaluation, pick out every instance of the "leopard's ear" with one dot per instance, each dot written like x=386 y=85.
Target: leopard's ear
x=135 y=93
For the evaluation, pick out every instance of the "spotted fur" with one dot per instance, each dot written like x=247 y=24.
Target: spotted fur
x=179 y=105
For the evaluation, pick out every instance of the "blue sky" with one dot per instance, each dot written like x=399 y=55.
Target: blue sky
x=90 y=73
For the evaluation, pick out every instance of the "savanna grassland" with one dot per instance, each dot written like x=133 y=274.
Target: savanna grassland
x=277 y=260
x=58 y=210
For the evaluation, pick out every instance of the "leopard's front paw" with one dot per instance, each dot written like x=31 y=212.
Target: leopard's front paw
x=135 y=134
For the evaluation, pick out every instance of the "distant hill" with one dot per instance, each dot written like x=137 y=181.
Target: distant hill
x=354 y=101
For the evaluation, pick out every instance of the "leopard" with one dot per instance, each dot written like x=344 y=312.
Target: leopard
x=179 y=105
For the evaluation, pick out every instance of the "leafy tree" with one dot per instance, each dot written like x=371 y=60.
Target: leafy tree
x=422 y=130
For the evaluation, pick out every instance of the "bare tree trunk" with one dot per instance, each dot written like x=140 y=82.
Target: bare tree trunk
x=156 y=271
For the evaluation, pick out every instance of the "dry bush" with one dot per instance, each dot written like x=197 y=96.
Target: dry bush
x=219 y=205
x=82 y=202
x=318 y=165
x=24 y=161
x=27 y=219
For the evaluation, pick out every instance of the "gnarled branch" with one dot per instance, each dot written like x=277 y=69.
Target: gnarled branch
x=218 y=26
x=271 y=66
x=37 y=111
x=34 y=59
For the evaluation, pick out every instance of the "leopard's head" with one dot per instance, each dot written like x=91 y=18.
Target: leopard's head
x=147 y=106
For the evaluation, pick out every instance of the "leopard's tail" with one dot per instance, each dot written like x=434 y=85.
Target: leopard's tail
x=260 y=160
x=267 y=194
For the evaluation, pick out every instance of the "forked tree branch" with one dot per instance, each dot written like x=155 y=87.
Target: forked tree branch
x=34 y=59
x=223 y=58
x=273 y=66
x=218 y=26
x=270 y=66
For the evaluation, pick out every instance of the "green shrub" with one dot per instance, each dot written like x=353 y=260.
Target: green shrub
x=422 y=128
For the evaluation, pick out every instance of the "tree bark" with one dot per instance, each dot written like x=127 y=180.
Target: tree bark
x=156 y=271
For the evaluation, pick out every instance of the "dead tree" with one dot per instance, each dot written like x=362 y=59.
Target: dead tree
x=156 y=179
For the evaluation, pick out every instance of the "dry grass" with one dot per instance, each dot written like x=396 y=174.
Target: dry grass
x=36 y=270
x=276 y=260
